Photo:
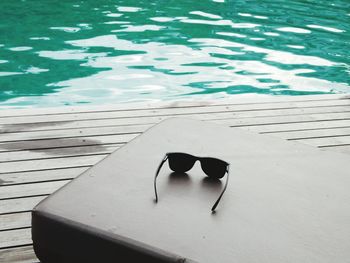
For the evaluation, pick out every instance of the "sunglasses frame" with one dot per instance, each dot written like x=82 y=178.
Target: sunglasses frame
x=197 y=158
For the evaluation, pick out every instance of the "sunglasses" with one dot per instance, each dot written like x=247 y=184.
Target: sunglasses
x=183 y=162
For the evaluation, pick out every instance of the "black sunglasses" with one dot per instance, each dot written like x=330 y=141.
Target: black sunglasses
x=183 y=162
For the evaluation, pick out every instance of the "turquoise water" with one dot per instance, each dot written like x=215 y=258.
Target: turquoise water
x=65 y=52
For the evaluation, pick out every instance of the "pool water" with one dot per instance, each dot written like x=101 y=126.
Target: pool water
x=68 y=52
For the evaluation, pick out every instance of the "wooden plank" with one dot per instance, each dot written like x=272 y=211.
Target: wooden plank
x=65 y=142
x=285 y=119
x=14 y=221
x=308 y=134
x=327 y=141
x=8 y=206
x=24 y=254
x=265 y=109
x=284 y=127
x=233 y=120
x=57 y=152
x=79 y=124
x=18 y=128
x=40 y=176
x=19 y=237
x=34 y=189
x=73 y=133
x=46 y=164
x=237 y=100
x=88 y=131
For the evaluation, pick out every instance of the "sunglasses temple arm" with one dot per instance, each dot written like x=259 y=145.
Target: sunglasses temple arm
x=155 y=178
x=223 y=191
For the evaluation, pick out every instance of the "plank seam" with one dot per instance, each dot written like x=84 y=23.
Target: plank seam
x=17 y=212
x=56 y=147
x=15 y=228
x=22 y=245
x=41 y=181
x=290 y=122
x=59 y=129
x=57 y=157
x=318 y=137
x=64 y=147
x=19 y=197
x=306 y=129
x=69 y=137
x=48 y=169
x=334 y=145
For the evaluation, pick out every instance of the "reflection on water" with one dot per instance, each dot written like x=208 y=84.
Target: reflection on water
x=67 y=52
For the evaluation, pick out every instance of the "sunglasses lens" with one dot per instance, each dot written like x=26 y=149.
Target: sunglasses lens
x=181 y=162
x=214 y=168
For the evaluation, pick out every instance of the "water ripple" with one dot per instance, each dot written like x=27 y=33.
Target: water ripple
x=109 y=52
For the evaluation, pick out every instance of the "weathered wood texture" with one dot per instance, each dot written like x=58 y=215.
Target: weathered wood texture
x=41 y=150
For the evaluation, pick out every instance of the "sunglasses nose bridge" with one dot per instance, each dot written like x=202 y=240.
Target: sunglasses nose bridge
x=201 y=160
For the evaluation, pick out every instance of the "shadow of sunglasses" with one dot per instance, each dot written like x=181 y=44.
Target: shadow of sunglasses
x=183 y=162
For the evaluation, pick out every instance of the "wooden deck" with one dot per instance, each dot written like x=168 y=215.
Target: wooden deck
x=43 y=149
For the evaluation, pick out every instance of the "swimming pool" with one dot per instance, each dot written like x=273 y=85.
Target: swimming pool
x=67 y=52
